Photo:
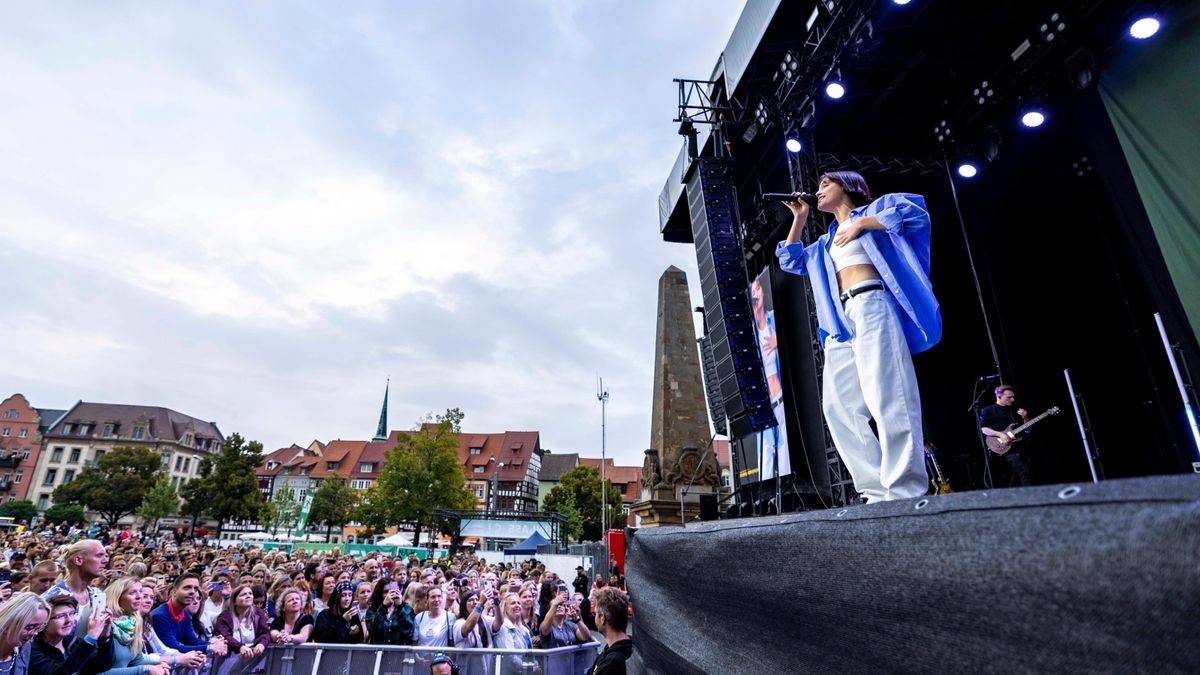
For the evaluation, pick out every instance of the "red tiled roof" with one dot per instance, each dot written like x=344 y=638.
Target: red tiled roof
x=630 y=476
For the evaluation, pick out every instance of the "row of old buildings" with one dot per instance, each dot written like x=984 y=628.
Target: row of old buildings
x=42 y=448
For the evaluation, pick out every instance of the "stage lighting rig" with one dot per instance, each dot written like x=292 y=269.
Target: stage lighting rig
x=984 y=92
x=1033 y=114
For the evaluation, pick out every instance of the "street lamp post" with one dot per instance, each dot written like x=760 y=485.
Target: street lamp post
x=494 y=498
x=602 y=396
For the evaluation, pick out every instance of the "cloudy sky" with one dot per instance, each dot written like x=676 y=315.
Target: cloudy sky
x=255 y=213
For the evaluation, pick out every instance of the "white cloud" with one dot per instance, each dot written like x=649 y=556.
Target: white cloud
x=304 y=201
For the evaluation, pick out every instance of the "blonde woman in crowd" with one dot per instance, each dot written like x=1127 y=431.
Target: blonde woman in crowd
x=21 y=619
x=124 y=598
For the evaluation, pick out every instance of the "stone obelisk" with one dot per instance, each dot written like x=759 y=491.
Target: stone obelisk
x=679 y=457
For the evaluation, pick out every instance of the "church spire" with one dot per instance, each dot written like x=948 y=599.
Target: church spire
x=381 y=433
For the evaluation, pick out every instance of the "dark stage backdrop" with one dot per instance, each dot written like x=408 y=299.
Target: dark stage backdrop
x=1098 y=579
x=1154 y=104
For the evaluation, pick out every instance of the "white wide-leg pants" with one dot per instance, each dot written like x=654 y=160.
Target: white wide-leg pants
x=871 y=376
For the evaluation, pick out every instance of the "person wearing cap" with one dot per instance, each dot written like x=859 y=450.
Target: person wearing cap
x=341 y=622
x=581 y=581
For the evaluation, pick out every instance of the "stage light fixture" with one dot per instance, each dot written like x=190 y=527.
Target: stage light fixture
x=967 y=169
x=942 y=132
x=992 y=142
x=1081 y=69
x=901 y=2
x=1033 y=115
x=983 y=92
x=1144 y=26
x=1052 y=27
x=793 y=145
x=835 y=90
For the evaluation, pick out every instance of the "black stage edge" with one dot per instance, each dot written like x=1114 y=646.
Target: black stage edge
x=1066 y=578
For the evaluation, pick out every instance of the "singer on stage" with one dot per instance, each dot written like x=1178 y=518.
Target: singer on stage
x=875 y=308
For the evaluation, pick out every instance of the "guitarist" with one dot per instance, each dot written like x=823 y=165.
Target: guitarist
x=994 y=419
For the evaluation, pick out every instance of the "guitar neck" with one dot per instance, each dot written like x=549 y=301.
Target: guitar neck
x=1034 y=421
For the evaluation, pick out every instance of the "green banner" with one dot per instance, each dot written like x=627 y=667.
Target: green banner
x=302 y=522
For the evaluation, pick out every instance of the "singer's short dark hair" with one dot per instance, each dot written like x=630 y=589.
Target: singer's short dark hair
x=854 y=185
x=1003 y=388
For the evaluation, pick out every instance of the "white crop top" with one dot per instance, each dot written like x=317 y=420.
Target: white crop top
x=852 y=253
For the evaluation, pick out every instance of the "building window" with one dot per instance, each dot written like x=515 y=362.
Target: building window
x=68 y=476
x=166 y=459
x=360 y=484
x=11 y=414
x=23 y=434
x=68 y=428
x=20 y=474
x=139 y=433
x=75 y=454
x=99 y=455
x=43 y=501
x=108 y=431
x=187 y=439
x=6 y=432
x=179 y=463
x=187 y=462
x=51 y=474
x=366 y=467
x=331 y=466
x=476 y=451
x=85 y=429
x=25 y=454
x=56 y=455
x=7 y=477
x=477 y=469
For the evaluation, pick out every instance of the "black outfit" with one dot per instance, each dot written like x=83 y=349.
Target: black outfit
x=396 y=629
x=79 y=657
x=332 y=628
x=301 y=621
x=612 y=660
x=581 y=583
x=998 y=418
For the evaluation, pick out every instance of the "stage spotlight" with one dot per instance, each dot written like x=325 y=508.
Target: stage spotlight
x=967 y=169
x=901 y=2
x=793 y=145
x=835 y=90
x=1033 y=116
x=1144 y=26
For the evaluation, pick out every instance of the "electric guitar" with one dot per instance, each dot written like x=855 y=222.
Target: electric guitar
x=1001 y=446
x=942 y=485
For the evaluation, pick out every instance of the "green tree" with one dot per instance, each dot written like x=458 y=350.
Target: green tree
x=196 y=493
x=232 y=484
x=420 y=475
x=21 y=509
x=579 y=488
x=281 y=510
x=114 y=488
x=574 y=519
x=332 y=504
x=161 y=501
x=65 y=513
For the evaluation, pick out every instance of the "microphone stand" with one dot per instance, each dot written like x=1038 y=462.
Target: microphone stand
x=987 y=453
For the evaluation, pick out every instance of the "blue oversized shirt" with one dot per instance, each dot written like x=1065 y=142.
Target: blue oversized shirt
x=900 y=253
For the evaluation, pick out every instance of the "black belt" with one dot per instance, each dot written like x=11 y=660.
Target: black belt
x=861 y=289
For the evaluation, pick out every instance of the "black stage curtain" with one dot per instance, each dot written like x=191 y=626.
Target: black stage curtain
x=1095 y=578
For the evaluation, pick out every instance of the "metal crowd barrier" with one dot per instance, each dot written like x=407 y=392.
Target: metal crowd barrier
x=330 y=659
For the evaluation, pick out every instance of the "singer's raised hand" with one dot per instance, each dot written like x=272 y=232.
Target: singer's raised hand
x=798 y=207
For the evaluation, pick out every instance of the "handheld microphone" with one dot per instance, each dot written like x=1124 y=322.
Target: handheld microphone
x=985 y=378
x=806 y=197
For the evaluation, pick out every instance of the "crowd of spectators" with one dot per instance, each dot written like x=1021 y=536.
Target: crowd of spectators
x=124 y=604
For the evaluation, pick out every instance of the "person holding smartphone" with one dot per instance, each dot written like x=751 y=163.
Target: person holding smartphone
x=561 y=626
x=387 y=622
x=341 y=622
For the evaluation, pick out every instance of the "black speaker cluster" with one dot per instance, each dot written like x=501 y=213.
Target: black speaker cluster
x=739 y=370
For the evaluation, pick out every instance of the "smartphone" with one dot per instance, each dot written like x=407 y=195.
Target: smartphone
x=216 y=586
x=5 y=576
